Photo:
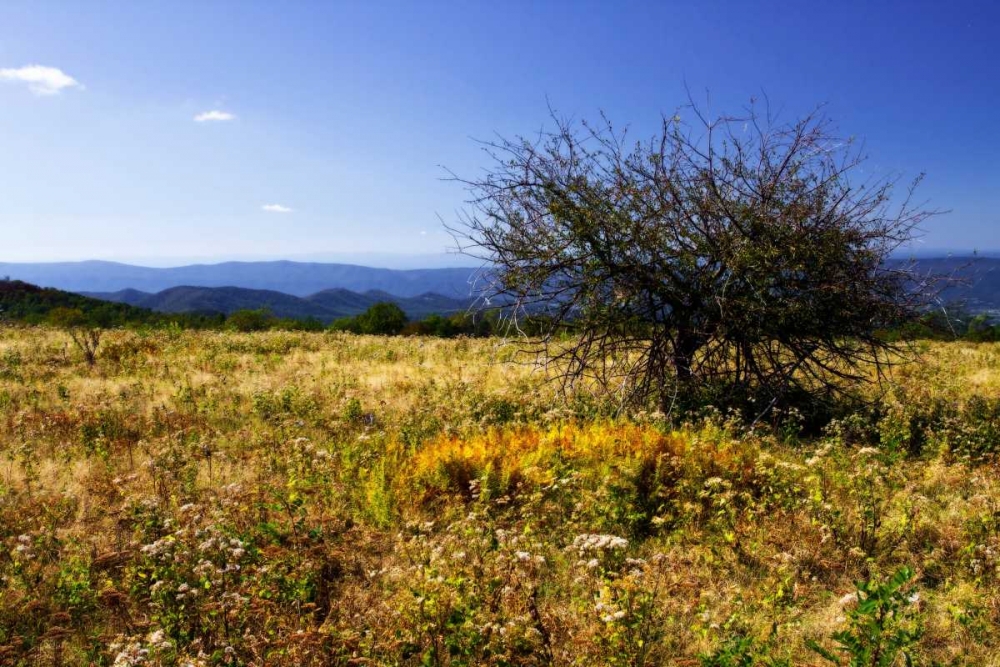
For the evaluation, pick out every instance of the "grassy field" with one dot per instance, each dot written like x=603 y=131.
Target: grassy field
x=297 y=499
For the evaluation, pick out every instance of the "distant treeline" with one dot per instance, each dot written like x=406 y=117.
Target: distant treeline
x=381 y=319
x=29 y=304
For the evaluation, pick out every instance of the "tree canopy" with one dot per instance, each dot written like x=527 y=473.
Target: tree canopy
x=734 y=258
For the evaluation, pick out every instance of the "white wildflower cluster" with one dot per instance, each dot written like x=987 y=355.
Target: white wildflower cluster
x=518 y=627
x=230 y=549
x=637 y=567
x=820 y=454
x=868 y=451
x=229 y=495
x=561 y=482
x=161 y=549
x=607 y=610
x=588 y=543
x=197 y=559
x=528 y=557
x=134 y=651
x=24 y=550
x=184 y=591
x=420 y=528
x=158 y=640
x=308 y=453
x=985 y=559
x=129 y=653
x=789 y=466
x=520 y=549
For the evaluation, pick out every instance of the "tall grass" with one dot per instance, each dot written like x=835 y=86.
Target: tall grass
x=293 y=498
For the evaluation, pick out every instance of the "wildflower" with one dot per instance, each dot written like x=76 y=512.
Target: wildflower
x=850 y=598
x=588 y=542
x=159 y=640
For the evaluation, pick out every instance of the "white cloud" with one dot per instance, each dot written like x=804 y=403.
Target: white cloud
x=276 y=208
x=214 y=115
x=41 y=80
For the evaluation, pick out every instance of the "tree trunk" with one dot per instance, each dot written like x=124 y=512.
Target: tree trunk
x=686 y=345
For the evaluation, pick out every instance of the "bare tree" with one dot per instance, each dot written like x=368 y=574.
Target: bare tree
x=733 y=258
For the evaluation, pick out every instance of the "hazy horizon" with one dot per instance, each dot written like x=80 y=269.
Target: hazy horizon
x=397 y=261
x=400 y=261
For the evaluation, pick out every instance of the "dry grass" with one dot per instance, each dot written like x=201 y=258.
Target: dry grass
x=290 y=498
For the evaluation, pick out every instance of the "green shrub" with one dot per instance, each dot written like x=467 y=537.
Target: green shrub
x=881 y=628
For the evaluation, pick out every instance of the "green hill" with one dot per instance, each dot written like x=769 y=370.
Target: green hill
x=24 y=302
x=324 y=306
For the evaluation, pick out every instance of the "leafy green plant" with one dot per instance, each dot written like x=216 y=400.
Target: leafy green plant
x=742 y=651
x=882 y=628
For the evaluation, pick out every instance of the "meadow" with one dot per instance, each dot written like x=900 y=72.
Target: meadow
x=292 y=498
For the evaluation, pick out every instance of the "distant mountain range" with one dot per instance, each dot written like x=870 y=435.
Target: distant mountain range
x=326 y=305
x=976 y=285
x=300 y=279
x=329 y=291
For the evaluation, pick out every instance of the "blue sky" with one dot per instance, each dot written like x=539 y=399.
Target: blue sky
x=345 y=112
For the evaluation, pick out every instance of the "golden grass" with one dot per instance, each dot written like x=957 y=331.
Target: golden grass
x=420 y=501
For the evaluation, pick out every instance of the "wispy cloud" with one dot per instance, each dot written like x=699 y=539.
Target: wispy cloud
x=276 y=208
x=213 y=116
x=41 y=80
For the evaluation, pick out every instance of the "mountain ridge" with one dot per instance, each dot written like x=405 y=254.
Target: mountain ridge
x=326 y=305
x=337 y=290
x=300 y=279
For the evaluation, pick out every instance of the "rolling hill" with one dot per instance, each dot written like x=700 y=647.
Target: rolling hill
x=295 y=278
x=325 y=306
x=328 y=291
x=21 y=301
